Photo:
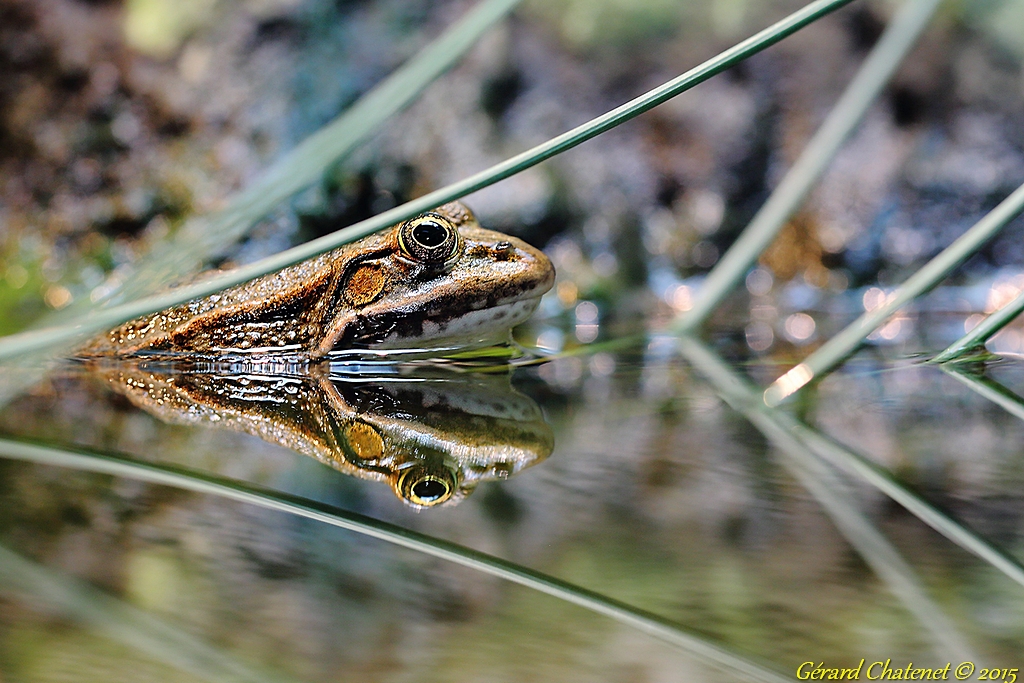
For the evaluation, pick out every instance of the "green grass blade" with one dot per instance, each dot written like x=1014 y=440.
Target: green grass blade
x=832 y=494
x=990 y=389
x=124 y=623
x=97 y=321
x=975 y=340
x=646 y=622
x=877 y=69
x=204 y=236
x=843 y=344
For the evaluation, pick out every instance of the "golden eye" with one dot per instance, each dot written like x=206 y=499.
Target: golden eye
x=430 y=238
x=426 y=488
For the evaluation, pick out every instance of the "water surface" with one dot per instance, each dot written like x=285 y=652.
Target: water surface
x=657 y=493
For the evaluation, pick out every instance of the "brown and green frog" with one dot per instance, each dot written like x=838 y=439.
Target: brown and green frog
x=438 y=279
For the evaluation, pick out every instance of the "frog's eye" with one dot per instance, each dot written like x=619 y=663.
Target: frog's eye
x=424 y=488
x=430 y=238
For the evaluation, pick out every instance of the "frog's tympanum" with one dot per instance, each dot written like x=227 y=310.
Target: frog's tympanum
x=437 y=279
x=432 y=439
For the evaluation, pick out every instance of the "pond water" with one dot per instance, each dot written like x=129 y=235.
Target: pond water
x=625 y=472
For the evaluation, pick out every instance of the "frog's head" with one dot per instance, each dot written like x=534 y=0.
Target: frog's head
x=438 y=278
x=434 y=439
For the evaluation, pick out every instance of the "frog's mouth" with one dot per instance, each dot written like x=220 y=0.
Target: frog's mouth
x=483 y=326
x=440 y=327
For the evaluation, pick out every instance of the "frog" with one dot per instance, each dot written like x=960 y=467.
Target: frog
x=437 y=279
x=432 y=436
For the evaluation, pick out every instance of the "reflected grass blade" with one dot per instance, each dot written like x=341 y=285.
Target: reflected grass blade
x=836 y=349
x=990 y=389
x=647 y=622
x=857 y=465
x=969 y=345
x=832 y=494
x=124 y=623
x=854 y=464
x=878 y=68
x=97 y=321
x=204 y=236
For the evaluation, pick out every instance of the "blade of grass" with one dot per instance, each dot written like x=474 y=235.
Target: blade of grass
x=584 y=350
x=990 y=389
x=877 y=69
x=836 y=349
x=642 y=620
x=832 y=494
x=124 y=623
x=204 y=236
x=974 y=340
x=18 y=344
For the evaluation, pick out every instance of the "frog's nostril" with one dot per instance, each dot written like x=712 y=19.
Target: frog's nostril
x=503 y=250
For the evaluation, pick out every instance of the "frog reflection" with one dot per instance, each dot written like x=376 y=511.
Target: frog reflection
x=432 y=439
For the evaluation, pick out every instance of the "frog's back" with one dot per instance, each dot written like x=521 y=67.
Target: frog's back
x=284 y=311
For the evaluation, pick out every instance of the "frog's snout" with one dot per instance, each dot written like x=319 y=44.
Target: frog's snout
x=505 y=268
x=538 y=273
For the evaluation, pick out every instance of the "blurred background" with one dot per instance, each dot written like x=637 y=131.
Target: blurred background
x=120 y=120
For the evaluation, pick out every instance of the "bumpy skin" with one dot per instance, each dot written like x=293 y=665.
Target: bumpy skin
x=369 y=294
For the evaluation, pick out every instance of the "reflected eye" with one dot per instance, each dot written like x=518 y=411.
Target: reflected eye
x=430 y=238
x=429 y=490
x=426 y=489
